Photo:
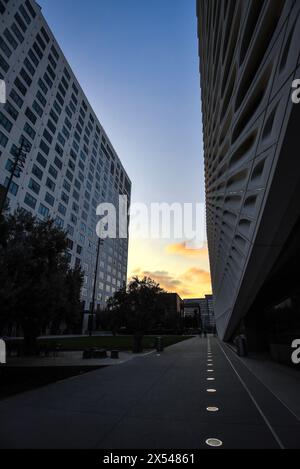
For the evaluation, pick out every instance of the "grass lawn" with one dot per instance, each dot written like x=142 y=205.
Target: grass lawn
x=122 y=343
x=109 y=343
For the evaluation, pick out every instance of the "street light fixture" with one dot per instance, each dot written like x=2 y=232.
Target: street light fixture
x=92 y=314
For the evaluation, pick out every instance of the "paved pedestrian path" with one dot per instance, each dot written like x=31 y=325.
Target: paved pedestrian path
x=154 y=402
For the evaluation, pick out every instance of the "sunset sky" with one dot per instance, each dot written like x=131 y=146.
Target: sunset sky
x=137 y=62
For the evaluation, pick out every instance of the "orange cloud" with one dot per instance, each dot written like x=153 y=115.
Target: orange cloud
x=181 y=249
x=192 y=283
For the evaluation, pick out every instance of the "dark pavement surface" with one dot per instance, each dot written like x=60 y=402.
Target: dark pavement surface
x=153 y=402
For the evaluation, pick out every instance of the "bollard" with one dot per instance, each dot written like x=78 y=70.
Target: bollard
x=159 y=344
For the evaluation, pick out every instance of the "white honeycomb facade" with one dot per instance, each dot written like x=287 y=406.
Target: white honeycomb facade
x=249 y=56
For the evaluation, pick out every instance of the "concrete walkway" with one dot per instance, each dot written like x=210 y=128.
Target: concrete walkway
x=67 y=359
x=153 y=402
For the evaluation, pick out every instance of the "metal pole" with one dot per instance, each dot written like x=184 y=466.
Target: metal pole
x=12 y=175
x=100 y=242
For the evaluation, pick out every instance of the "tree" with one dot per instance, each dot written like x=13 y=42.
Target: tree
x=138 y=308
x=37 y=286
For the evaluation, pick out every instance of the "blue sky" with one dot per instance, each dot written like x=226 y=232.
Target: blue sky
x=137 y=62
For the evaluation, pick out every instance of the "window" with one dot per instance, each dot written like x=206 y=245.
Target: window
x=49 y=199
x=20 y=86
x=70 y=244
x=50 y=184
x=52 y=61
x=34 y=186
x=13 y=188
x=10 y=39
x=30 y=8
x=51 y=72
x=31 y=116
x=48 y=80
x=77 y=184
x=53 y=172
x=43 y=86
x=33 y=57
x=44 y=211
x=40 y=41
x=58 y=163
x=59 y=150
x=61 y=139
x=54 y=52
x=75 y=207
x=5 y=123
x=57 y=107
x=29 y=66
x=17 y=32
x=65 y=198
x=62 y=209
x=71 y=165
x=3 y=140
x=69 y=175
x=5 y=48
x=65 y=132
x=41 y=160
x=59 y=222
x=37 y=172
x=67 y=186
x=48 y=136
x=68 y=123
x=62 y=90
x=20 y=22
x=38 y=50
x=29 y=130
x=44 y=147
x=54 y=116
x=74 y=219
x=44 y=33
x=60 y=99
x=25 y=77
x=30 y=201
x=70 y=230
x=76 y=195
x=37 y=108
x=3 y=64
x=25 y=14
x=41 y=98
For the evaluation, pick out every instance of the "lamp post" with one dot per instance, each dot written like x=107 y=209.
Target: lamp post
x=19 y=158
x=92 y=314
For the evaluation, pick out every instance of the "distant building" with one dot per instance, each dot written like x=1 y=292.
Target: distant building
x=203 y=310
x=192 y=307
x=173 y=303
x=207 y=313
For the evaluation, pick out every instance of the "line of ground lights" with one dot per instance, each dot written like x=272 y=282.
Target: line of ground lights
x=211 y=442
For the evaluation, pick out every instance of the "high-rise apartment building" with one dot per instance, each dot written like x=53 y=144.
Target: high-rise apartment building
x=71 y=166
x=249 y=58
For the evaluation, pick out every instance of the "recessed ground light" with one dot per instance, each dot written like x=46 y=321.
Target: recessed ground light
x=211 y=390
x=210 y=371
x=210 y=379
x=214 y=442
x=212 y=409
